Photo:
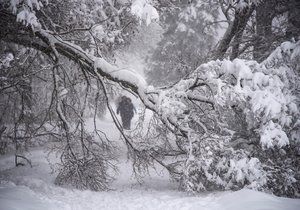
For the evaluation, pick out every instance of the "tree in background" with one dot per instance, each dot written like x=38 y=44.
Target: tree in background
x=276 y=21
x=256 y=28
x=188 y=38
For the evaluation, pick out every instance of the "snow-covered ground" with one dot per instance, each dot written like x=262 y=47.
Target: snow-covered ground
x=27 y=188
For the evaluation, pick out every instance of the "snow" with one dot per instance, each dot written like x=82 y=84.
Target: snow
x=253 y=200
x=29 y=188
x=6 y=59
x=25 y=11
x=24 y=198
x=144 y=11
x=128 y=75
x=267 y=89
x=135 y=55
x=259 y=80
x=28 y=18
x=238 y=68
x=247 y=169
x=181 y=27
x=99 y=31
x=266 y=102
x=273 y=135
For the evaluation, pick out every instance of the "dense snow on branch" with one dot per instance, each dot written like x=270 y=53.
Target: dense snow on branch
x=265 y=94
x=130 y=76
x=264 y=91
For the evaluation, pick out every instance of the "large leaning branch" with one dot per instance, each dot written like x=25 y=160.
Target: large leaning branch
x=41 y=39
x=50 y=44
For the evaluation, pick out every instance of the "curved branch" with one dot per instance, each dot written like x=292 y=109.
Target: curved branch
x=17 y=33
x=52 y=44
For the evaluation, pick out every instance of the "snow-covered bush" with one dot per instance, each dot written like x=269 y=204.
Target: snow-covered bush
x=232 y=124
x=268 y=95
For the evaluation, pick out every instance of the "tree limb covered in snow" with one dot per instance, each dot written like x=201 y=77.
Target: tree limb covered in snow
x=42 y=39
x=48 y=43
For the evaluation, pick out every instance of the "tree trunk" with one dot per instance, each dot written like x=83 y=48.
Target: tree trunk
x=239 y=34
x=264 y=16
x=293 y=30
x=238 y=25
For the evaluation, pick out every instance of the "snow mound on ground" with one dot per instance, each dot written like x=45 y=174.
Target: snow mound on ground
x=253 y=200
x=22 y=197
x=13 y=197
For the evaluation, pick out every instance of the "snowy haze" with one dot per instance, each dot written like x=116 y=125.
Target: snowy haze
x=144 y=41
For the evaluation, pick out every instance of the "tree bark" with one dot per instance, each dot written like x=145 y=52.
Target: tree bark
x=236 y=28
x=239 y=34
x=293 y=30
x=264 y=16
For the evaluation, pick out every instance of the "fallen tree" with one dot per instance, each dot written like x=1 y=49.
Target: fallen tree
x=227 y=125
